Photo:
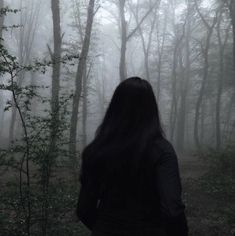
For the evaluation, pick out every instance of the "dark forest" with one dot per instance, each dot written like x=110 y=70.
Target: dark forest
x=60 y=61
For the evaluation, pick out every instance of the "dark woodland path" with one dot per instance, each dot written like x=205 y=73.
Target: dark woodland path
x=191 y=167
x=206 y=212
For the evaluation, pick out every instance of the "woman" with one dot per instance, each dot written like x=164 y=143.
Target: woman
x=130 y=183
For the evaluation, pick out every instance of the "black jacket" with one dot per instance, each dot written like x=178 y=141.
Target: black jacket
x=155 y=204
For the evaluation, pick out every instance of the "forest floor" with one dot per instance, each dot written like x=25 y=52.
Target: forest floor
x=209 y=200
x=208 y=212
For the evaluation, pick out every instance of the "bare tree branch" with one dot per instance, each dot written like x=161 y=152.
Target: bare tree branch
x=142 y=20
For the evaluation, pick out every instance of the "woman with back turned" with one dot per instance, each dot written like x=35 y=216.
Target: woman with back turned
x=130 y=183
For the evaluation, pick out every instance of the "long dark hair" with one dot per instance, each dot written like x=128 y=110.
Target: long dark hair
x=129 y=126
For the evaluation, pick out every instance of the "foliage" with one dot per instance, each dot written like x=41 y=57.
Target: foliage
x=35 y=198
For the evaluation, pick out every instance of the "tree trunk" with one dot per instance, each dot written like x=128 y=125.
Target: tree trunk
x=48 y=160
x=220 y=82
x=122 y=64
x=1 y=93
x=232 y=14
x=205 y=52
x=146 y=45
x=229 y=120
x=161 y=45
x=26 y=39
x=173 y=109
x=84 y=110
x=174 y=98
x=146 y=54
x=78 y=82
x=202 y=90
x=180 y=134
x=56 y=55
x=218 y=98
x=1 y=18
x=20 y=77
x=202 y=121
x=125 y=37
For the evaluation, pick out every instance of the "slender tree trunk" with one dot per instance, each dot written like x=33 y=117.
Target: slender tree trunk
x=84 y=111
x=227 y=124
x=79 y=25
x=49 y=159
x=201 y=91
x=146 y=55
x=25 y=44
x=180 y=134
x=1 y=18
x=218 y=97
x=20 y=77
x=232 y=14
x=78 y=83
x=202 y=121
x=173 y=109
x=126 y=36
x=12 y=125
x=210 y=29
x=161 y=45
x=219 y=85
x=1 y=93
x=146 y=45
x=220 y=81
x=174 y=98
x=56 y=56
x=122 y=64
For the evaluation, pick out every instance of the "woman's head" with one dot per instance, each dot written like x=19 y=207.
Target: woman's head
x=133 y=110
x=130 y=124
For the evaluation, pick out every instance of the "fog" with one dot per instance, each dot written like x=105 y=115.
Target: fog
x=61 y=61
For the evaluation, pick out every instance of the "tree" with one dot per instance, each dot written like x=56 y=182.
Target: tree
x=79 y=77
x=220 y=80
x=1 y=17
x=185 y=77
x=1 y=94
x=205 y=52
x=54 y=127
x=78 y=24
x=179 y=32
x=146 y=44
x=55 y=57
x=126 y=36
x=25 y=41
x=231 y=6
x=161 y=39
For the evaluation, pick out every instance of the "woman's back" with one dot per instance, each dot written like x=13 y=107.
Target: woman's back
x=130 y=178
x=131 y=202
x=151 y=205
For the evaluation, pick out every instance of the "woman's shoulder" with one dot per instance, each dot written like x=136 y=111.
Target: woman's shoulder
x=161 y=148
x=162 y=145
